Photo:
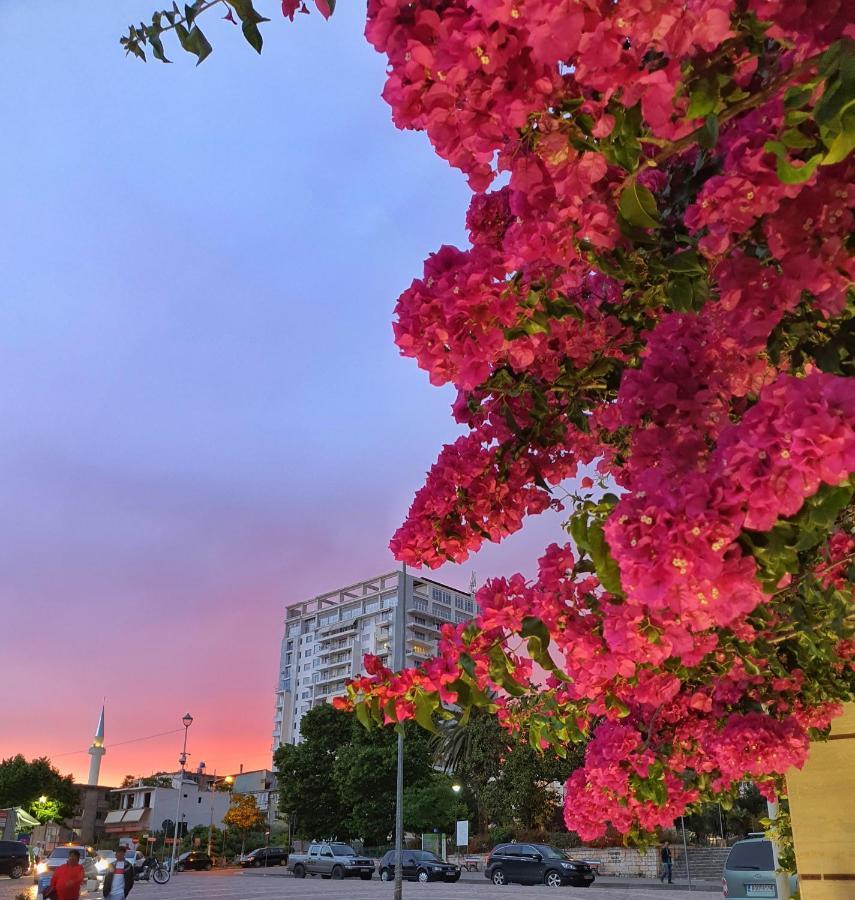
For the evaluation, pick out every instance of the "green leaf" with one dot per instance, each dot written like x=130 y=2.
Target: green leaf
x=638 y=205
x=425 y=705
x=787 y=172
x=607 y=569
x=795 y=139
x=363 y=716
x=844 y=143
x=688 y=263
x=708 y=133
x=253 y=35
x=681 y=297
x=703 y=98
x=193 y=42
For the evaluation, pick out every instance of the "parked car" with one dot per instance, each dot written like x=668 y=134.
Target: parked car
x=330 y=860
x=59 y=857
x=265 y=856
x=14 y=859
x=750 y=871
x=419 y=865
x=536 y=864
x=194 y=859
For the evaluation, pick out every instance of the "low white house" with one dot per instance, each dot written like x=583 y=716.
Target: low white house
x=144 y=808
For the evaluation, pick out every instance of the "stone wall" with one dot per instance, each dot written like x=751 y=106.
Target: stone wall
x=623 y=861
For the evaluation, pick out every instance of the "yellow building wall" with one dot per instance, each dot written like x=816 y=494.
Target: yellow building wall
x=822 y=805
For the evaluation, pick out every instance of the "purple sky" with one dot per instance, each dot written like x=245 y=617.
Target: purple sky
x=204 y=417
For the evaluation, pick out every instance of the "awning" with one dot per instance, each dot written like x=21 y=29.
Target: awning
x=25 y=819
x=114 y=816
x=134 y=815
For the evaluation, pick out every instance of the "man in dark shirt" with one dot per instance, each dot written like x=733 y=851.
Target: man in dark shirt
x=665 y=857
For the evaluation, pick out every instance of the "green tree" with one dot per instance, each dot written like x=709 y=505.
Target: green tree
x=45 y=809
x=433 y=804
x=505 y=780
x=22 y=783
x=243 y=815
x=306 y=787
x=340 y=780
x=365 y=775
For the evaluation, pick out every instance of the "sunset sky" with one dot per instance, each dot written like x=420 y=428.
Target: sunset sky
x=204 y=417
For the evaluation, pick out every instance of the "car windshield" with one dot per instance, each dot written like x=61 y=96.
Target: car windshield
x=62 y=852
x=549 y=852
x=342 y=850
x=425 y=856
x=184 y=856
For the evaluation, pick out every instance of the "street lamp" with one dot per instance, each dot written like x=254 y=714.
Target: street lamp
x=457 y=788
x=187 y=721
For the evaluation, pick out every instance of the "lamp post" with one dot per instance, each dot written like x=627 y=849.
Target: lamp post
x=187 y=721
x=400 y=661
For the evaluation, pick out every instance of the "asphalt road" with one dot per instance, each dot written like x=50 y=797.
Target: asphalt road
x=232 y=885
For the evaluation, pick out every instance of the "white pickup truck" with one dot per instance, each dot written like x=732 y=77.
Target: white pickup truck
x=331 y=860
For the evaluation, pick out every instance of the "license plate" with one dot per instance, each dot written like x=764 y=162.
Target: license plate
x=760 y=890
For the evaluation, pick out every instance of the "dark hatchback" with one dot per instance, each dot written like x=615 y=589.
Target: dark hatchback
x=14 y=859
x=536 y=864
x=265 y=856
x=418 y=865
x=195 y=859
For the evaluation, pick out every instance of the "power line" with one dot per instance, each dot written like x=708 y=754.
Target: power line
x=118 y=743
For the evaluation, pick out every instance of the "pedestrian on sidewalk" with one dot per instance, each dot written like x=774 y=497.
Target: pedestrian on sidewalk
x=119 y=879
x=67 y=879
x=667 y=862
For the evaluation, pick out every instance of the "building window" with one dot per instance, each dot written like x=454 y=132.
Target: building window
x=420 y=604
x=464 y=603
x=441 y=596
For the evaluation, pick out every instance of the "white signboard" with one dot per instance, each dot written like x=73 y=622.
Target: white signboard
x=463 y=833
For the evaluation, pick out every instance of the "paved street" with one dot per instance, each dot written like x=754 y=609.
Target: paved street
x=251 y=886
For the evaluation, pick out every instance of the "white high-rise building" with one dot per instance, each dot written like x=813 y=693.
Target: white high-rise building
x=327 y=637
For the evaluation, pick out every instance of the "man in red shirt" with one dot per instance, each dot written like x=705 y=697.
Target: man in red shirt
x=67 y=879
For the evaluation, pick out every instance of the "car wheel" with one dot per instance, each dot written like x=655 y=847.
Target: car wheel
x=16 y=871
x=257 y=863
x=423 y=876
x=209 y=866
x=337 y=873
x=299 y=872
x=553 y=879
x=179 y=868
x=385 y=875
x=498 y=877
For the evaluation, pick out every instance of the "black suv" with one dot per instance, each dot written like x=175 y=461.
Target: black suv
x=418 y=865
x=195 y=859
x=265 y=856
x=14 y=859
x=536 y=864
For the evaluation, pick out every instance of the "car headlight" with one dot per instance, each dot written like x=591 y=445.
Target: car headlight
x=567 y=866
x=41 y=868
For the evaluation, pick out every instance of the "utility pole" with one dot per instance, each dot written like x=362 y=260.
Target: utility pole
x=187 y=721
x=400 y=660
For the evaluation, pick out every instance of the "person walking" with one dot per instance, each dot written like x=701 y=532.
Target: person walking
x=667 y=862
x=67 y=879
x=119 y=879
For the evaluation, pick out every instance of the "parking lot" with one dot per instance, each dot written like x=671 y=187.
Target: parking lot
x=232 y=885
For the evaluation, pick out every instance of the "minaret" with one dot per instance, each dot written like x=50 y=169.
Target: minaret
x=96 y=751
